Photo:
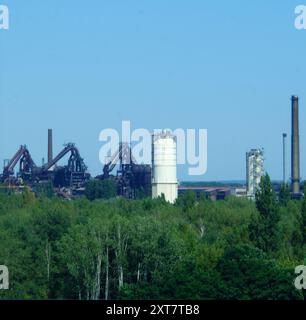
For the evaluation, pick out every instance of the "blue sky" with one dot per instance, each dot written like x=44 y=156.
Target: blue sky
x=79 y=67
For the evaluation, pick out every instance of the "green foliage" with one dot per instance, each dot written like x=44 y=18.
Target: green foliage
x=290 y=229
x=149 y=249
x=187 y=200
x=284 y=194
x=248 y=274
x=140 y=193
x=100 y=189
x=44 y=189
x=263 y=228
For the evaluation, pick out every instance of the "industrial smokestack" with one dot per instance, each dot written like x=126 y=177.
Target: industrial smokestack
x=50 y=145
x=295 y=146
x=284 y=158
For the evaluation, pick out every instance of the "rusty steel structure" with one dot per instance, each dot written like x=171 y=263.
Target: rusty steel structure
x=73 y=175
x=27 y=167
x=131 y=179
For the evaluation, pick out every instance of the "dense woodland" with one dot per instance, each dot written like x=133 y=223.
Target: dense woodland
x=114 y=248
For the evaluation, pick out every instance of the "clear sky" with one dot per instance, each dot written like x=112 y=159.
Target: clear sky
x=81 y=66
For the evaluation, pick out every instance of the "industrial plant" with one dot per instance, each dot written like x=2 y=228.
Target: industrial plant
x=255 y=160
x=131 y=179
x=70 y=178
x=255 y=171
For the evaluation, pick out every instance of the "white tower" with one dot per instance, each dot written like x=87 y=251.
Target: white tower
x=164 y=178
x=255 y=170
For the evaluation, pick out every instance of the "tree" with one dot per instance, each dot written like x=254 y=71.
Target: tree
x=148 y=248
x=264 y=226
x=187 y=200
x=85 y=250
x=248 y=273
x=284 y=194
x=100 y=189
x=44 y=189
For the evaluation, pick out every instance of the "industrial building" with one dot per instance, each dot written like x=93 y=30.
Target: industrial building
x=164 y=166
x=212 y=193
x=131 y=179
x=254 y=170
x=71 y=177
x=134 y=180
x=157 y=180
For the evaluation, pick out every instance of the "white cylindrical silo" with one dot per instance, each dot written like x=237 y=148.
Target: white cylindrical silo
x=164 y=164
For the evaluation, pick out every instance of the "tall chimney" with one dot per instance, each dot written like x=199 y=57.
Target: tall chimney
x=295 y=145
x=50 y=145
x=284 y=158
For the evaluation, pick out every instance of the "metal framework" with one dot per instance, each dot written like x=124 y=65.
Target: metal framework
x=26 y=164
x=131 y=177
x=73 y=175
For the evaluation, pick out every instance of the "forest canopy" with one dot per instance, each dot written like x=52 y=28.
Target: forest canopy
x=149 y=249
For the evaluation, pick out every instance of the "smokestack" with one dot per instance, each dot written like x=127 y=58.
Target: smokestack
x=295 y=146
x=284 y=158
x=50 y=146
